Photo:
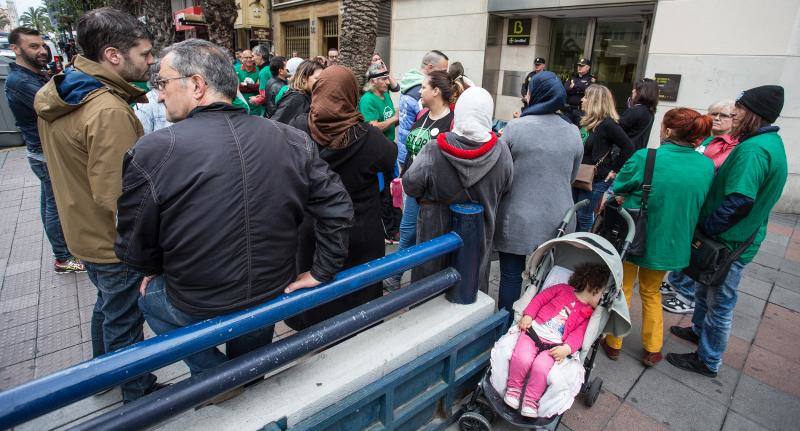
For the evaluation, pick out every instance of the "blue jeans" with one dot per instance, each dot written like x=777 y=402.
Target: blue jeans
x=683 y=284
x=586 y=214
x=164 y=317
x=511 y=267
x=49 y=213
x=408 y=226
x=713 y=316
x=116 y=320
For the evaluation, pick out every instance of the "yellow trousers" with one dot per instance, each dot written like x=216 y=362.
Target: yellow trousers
x=652 y=315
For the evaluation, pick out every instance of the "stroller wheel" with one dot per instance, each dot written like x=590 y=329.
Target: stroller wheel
x=485 y=409
x=473 y=421
x=593 y=391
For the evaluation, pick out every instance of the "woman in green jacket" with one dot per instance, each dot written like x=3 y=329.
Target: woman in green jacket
x=681 y=180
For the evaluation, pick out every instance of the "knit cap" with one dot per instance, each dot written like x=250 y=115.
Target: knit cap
x=765 y=101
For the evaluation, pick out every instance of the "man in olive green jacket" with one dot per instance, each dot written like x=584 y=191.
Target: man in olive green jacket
x=86 y=126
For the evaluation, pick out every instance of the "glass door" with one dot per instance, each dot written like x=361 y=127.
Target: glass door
x=615 y=55
x=569 y=42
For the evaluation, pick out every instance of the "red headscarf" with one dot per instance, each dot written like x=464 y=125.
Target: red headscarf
x=334 y=107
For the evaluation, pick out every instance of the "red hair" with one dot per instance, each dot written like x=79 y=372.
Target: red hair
x=688 y=125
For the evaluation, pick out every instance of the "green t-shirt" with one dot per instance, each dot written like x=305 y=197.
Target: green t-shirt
x=373 y=108
x=681 y=179
x=252 y=77
x=756 y=168
x=240 y=102
x=280 y=94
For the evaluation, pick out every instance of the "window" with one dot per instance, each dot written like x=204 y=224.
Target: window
x=330 y=33
x=296 y=39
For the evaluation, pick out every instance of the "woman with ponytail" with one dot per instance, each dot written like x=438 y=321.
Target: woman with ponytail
x=681 y=180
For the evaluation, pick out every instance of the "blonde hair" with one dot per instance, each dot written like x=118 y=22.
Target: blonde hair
x=599 y=105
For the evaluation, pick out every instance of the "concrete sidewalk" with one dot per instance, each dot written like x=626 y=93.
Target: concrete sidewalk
x=44 y=327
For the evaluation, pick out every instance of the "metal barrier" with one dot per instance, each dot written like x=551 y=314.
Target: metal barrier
x=35 y=398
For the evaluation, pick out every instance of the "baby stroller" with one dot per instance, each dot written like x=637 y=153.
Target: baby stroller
x=552 y=263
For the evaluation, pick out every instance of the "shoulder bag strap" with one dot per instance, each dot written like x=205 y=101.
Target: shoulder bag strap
x=647 y=185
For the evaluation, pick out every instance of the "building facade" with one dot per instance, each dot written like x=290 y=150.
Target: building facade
x=307 y=27
x=701 y=50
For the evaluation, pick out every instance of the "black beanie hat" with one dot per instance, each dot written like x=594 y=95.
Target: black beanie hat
x=765 y=101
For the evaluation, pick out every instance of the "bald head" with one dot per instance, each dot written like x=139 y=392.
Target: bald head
x=247 y=58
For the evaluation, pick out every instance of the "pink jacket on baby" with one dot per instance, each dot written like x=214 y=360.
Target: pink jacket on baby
x=549 y=302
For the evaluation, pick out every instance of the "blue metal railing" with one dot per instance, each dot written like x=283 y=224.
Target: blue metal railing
x=35 y=398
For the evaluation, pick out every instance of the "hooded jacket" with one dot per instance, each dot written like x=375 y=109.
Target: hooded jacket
x=293 y=105
x=408 y=108
x=86 y=125
x=454 y=169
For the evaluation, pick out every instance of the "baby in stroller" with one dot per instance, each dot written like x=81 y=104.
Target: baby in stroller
x=553 y=327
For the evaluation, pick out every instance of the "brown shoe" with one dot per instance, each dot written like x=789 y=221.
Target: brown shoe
x=611 y=352
x=651 y=359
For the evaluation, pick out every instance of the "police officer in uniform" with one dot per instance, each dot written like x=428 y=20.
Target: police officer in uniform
x=539 y=64
x=576 y=87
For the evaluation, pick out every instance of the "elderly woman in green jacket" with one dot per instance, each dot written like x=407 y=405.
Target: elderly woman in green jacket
x=681 y=180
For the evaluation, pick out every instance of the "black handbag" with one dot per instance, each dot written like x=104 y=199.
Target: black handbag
x=711 y=260
x=639 y=243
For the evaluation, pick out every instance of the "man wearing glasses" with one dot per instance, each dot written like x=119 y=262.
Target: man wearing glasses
x=211 y=206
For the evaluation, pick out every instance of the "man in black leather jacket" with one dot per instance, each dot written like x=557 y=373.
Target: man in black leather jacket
x=211 y=206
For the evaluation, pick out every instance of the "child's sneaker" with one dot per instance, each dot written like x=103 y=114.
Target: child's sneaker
x=529 y=412
x=512 y=401
x=512 y=398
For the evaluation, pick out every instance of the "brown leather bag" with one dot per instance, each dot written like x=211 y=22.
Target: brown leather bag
x=586 y=173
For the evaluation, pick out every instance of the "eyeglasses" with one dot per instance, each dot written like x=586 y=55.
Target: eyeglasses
x=720 y=115
x=161 y=83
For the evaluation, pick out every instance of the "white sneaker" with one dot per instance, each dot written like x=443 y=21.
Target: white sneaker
x=529 y=412
x=512 y=401
x=666 y=288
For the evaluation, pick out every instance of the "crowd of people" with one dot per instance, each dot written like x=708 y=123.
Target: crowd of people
x=182 y=202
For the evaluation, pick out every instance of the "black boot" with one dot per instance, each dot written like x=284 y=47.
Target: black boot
x=690 y=362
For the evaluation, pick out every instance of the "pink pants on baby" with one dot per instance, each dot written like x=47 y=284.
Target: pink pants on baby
x=526 y=358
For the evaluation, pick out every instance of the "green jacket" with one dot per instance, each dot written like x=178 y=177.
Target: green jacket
x=756 y=168
x=681 y=180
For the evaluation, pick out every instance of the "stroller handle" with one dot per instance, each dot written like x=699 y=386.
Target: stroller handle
x=562 y=228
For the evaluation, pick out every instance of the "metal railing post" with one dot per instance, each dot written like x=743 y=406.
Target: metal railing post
x=467 y=222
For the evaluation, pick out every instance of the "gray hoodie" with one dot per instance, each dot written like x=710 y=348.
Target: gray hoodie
x=455 y=170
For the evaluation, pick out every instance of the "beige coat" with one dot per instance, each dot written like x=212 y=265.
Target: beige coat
x=86 y=126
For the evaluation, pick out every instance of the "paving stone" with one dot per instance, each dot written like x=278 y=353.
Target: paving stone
x=58 y=340
x=755 y=287
x=744 y=326
x=86 y=313
x=785 y=298
x=790 y=266
x=718 y=389
x=27 y=279
x=58 y=322
x=57 y=306
x=628 y=418
x=673 y=404
x=17 y=353
x=16 y=374
x=18 y=334
x=788 y=281
x=776 y=370
x=86 y=331
x=18 y=303
x=28 y=228
x=736 y=353
x=765 y=405
x=18 y=317
x=736 y=422
x=48 y=364
x=750 y=305
x=580 y=417
x=768 y=259
x=48 y=294
x=760 y=272
x=618 y=376
x=18 y=268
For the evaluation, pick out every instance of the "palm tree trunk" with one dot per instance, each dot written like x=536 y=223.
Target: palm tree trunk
x=220 y=16
x=359 y=31
x=158 y=19
x=130 y=6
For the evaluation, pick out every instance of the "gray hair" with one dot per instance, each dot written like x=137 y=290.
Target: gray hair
x=726 y=105
x=262 y=51
x=433 y=57
x=212 y=62
x=369 y=84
